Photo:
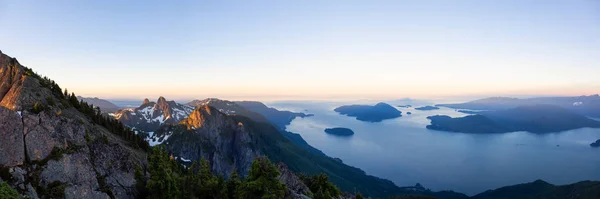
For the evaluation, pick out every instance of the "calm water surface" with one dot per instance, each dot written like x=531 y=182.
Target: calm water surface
x=404 y=151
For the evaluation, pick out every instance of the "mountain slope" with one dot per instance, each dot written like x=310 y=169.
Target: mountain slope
x=151 y=115
x=51 y=149
x=105 y=105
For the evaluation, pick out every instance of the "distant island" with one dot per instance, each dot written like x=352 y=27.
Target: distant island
x=368 y=113
x=427 y=108
x=468 y=111
x=584 y=105
x=404 y=106
x=408 y=113
x=534 y=119
x=339 y=131
x=595 y=144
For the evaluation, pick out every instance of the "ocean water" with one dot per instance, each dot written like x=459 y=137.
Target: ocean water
x=404 y=151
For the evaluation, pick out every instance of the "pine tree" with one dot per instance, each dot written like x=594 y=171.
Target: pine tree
x=233 y=184
x=262 y=181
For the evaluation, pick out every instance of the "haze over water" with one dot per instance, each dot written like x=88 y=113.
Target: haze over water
x=404 y=151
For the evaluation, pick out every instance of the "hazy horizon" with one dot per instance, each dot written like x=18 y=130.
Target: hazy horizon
x=273 y=50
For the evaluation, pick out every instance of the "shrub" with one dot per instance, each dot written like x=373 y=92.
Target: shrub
x=6 y=192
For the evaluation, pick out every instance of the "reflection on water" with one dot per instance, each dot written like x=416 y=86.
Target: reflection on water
x=404 y=151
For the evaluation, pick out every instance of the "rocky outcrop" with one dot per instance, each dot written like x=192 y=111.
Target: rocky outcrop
x=212 y=135
x=76 y=170
x=297 y=188
x=47 y=130
x=53 y=150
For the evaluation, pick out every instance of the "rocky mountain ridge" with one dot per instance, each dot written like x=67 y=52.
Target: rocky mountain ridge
x=151 y=115
x=50 y=149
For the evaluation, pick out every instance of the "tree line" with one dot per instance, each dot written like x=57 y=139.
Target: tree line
x=166 y=178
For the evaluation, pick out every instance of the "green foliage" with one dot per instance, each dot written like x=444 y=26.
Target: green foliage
x=6 y=192
x=262 y=181
x=163 y=182
x=359 y=196
x=168 y=179
x=233 y=184
x=321 y=187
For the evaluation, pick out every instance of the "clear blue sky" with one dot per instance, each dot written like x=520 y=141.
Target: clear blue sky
x=308 y=49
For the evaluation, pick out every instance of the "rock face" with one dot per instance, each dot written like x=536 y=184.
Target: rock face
x=212 y=135
x=293 y=182
x=12 y=151
x=151 y=115
x=54 y=150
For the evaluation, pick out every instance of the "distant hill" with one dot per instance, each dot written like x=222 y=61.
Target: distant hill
x=367 y=113
x=104 y=105
x=543 y=190
x=595 y=144
x=427 y=108
x=584 y=105
x=278 y=118
x=535 y=119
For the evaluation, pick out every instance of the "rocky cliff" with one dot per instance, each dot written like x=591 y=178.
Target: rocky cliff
x=49 y=149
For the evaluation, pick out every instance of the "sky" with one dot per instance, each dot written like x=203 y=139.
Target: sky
x=308 y=49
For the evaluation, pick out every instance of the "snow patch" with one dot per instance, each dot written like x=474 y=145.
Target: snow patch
x=577 y=103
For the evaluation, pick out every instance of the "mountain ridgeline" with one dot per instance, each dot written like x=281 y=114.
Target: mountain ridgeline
x=584 y=105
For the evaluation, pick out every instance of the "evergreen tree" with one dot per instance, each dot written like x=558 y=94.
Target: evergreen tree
x=163 y=182
x=262 y=181
x=233 y=184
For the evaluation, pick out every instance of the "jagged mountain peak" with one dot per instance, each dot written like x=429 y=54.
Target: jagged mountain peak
x=151 y=115
x=146 y=101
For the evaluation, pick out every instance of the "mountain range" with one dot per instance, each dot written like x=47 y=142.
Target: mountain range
x=55 y=145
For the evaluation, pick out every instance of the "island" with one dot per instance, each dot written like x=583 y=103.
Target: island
x=427 y=108
x=595 y=144
x=339 y=131
x=367 y=113
x=408 y=113
x=535 y=119
x=404 y=106
x=584 y=105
